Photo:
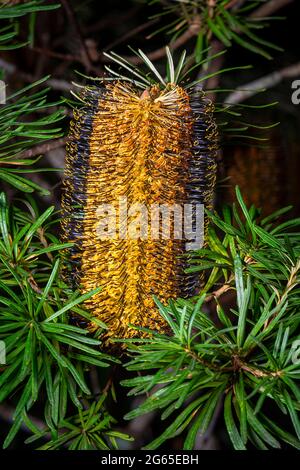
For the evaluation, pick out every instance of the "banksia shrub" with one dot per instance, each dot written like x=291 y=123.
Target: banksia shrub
x=136 y=146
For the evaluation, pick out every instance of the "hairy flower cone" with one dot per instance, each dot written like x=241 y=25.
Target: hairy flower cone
x=154 y=147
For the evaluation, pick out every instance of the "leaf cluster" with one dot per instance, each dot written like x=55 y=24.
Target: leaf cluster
x=18 y=134
x=10 y=14
x=46 y=355
x=227 y=21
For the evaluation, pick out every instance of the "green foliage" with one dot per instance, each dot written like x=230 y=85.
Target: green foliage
x=45 y=354
x=244 y=359
x=17 y=134
x=177 y=75
x=241 y=362
x=229 y=117
x=268 y=250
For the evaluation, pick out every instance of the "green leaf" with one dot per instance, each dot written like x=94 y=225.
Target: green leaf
x=151 y=67
x=253 y=48
x=202 y=422
x=39 y=222
x=13 y=431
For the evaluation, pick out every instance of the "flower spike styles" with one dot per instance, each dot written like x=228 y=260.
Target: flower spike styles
x=139 y=149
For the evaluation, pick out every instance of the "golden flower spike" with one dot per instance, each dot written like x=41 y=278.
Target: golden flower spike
x=135 y=144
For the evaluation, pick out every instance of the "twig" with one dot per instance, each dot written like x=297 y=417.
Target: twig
x=219 y=292
x=194 y=28
x=41 y=63
x=111 y=19
x=56 y=55
x=269 y=8
x=131 y=33
x=34 y=286
x=293 y=281
x=68 y=58
x=54 y=83
x=234 y=4
x=202 y=440
x=76 y=26
x=250 y=89
x=192 y=31
x=43 y=148
x=228 y=285
x=238 y=364
x=216 y=46
x=110 y=380
x=61 y=85
x=214 y=66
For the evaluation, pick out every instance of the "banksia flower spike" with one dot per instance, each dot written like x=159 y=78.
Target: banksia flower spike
x=138 y=149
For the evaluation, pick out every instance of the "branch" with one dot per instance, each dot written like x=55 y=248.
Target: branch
x=269 y=8
x=266 y=10
x=214 y=66
x=269 y=81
